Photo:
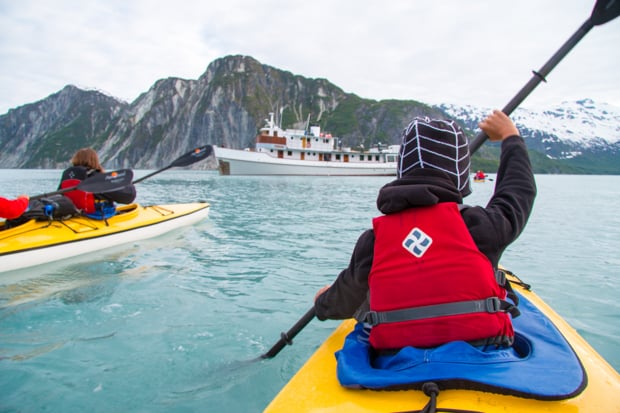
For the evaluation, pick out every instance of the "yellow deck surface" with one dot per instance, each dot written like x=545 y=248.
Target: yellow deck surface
x=315 y=387
x=37 y=234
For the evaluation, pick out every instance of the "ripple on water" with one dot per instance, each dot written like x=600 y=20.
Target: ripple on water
x=175 y=323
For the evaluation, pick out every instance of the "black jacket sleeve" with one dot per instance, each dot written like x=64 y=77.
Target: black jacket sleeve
x=350 y=289
x=497 y=225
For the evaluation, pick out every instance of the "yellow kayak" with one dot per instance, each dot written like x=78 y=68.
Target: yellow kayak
x=315 y=387
x=39 y=242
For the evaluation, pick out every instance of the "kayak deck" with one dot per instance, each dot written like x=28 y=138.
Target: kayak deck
x=315 y=387
x=38 y=242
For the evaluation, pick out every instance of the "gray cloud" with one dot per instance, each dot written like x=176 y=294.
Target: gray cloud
x=475 y=52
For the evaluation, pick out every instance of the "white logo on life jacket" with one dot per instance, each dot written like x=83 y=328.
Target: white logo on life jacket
x=417 y=242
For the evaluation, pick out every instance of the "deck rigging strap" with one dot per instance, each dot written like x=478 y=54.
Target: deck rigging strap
x=431 y=389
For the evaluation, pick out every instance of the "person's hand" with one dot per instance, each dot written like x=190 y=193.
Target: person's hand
x=321 y=291
x=498 y=126
x=24 y=196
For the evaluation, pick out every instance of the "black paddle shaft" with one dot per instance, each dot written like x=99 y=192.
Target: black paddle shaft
x=287 y=338
x=604 y=11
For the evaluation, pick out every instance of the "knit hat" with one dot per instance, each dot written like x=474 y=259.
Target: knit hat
x=436 y=144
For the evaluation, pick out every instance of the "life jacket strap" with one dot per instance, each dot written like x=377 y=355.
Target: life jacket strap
x=500 y=277
x=488 y=305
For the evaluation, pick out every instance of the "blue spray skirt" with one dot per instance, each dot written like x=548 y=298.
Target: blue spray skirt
x=541 y=364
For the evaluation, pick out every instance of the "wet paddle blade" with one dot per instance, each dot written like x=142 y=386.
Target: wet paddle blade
x=189 y=158
x=99 y=184
x=107 y=182
x=194 y=156
x=604 y=11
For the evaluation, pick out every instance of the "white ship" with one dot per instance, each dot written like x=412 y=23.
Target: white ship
x=296 y=152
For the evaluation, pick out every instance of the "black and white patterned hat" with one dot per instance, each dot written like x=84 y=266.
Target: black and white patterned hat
x=436 y=144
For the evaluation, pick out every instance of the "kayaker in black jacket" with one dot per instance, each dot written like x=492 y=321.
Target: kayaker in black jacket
x=85 y=163
x=429 y=175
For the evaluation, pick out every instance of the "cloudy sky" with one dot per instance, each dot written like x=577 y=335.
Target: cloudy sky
x=436 y=51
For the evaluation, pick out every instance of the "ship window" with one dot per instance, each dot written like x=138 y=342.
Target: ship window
x=361 y=157
x=337 y=156
x=377 y=158
x=289 y=153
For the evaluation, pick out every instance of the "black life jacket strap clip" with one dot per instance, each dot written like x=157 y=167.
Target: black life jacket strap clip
x=500 y=277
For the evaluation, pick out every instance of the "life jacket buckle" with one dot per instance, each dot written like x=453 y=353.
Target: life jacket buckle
x=500 y=277
x=371 y=318
x=513 y=311
x=493 y=305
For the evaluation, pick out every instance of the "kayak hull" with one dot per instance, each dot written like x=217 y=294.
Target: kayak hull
x=38 y=242
x=315 y=387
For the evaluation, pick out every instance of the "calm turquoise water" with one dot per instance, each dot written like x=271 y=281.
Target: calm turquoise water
x=173 y=324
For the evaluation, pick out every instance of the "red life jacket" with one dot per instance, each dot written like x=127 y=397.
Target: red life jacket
x=429 y=283
x=12 y=208
x=82 y=200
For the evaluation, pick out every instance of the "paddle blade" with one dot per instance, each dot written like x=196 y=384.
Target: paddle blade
x=194 y=156
x=604 y=11
x=107 y=182
x=99 y=184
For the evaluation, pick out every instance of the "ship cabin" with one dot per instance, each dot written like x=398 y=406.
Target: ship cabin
x=296 y=144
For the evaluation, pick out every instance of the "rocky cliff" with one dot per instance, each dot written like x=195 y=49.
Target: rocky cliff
x=226 y=106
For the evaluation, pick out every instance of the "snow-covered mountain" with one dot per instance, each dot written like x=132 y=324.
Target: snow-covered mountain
x=561 y=132
x=227 y=104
